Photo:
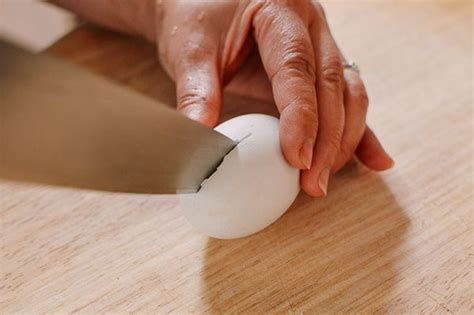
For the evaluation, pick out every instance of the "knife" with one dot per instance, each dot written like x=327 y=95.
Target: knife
x=62 y=125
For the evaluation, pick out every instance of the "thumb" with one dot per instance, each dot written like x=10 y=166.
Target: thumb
x=199 y=94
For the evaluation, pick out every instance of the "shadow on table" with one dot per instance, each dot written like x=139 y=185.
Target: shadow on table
x=324 y=255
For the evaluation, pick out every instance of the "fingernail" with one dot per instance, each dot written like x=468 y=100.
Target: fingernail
x=324 y=180
x=306 y=154
x=392 y=163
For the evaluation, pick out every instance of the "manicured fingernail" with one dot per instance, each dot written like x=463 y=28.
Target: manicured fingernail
x=306 y=154
x=324 y=180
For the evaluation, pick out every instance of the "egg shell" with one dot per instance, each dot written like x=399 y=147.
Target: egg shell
x=252 y=187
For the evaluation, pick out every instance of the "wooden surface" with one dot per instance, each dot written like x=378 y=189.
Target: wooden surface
x=395 y=242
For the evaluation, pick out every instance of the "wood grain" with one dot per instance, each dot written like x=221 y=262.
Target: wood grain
x=400 y=241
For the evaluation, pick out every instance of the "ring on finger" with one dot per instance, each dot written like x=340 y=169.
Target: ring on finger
x=351 y=66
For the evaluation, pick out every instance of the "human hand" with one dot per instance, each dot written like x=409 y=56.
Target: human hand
x=206 y=45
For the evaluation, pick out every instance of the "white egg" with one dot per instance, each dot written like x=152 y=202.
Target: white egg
x=251 y=188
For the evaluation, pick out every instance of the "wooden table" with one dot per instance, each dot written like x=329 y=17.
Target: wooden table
x=400 y=241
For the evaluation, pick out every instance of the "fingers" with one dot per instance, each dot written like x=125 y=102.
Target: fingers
x=189 y=51
x=198 y=84
x=329 y=87
x=371 y=153
x=287 y=55
x=356 y=103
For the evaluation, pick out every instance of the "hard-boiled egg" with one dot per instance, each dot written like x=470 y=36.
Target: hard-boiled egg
x=252 y=187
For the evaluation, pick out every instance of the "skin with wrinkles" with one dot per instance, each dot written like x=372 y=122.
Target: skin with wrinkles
x=274 y=50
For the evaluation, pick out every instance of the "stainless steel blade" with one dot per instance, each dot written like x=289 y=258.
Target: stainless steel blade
x=62 y=125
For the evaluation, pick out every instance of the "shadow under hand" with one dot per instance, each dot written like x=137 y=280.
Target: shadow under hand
x=324 y=255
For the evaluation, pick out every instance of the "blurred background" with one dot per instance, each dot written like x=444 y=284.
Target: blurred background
x=32 y=24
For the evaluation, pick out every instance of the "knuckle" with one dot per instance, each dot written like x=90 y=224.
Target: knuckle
x=331 y=72
x=297 y=62
x=300 y=117
x=334 y=141
x=191 y=98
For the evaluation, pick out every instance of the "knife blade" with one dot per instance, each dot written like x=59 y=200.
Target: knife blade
x=62 y=125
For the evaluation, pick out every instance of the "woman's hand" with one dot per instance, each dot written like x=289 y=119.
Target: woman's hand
x=274 y=49
x=206 y=45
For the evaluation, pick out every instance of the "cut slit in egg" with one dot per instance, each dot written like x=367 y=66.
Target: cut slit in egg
x=251 y=188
